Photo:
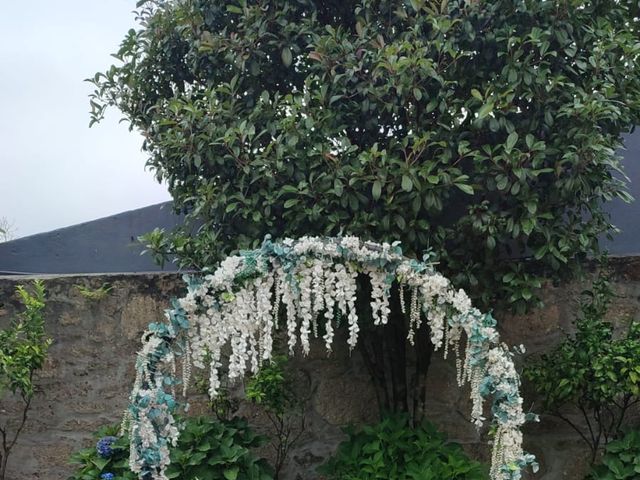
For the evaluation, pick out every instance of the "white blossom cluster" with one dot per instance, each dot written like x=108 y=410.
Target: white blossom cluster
x=156 y=428
x=146 y=436
x=313 y=282
x=507 y=448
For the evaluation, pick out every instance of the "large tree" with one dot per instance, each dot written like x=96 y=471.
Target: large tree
x=479 y=130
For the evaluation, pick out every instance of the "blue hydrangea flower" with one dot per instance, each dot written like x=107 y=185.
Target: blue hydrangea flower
x=107 y=476
x=103 y=447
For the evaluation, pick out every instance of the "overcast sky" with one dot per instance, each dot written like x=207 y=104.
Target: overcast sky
x=54 y=170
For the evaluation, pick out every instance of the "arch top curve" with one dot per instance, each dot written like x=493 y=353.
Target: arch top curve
x=306 y=281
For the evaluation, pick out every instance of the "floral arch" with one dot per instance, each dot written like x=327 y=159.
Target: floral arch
x=236 y=308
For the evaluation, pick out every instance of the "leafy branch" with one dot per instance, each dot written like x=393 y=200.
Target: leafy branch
x=23 y=350
x=595 y=372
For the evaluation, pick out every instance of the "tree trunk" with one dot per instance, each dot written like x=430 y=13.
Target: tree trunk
x=398 y=374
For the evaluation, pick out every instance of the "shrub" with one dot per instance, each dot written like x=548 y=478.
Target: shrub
x=393 y=450
x=110 y=454
x=594 y=372
x=207 y=448
x=23 y=350
x=621 y=460
x=272 y=388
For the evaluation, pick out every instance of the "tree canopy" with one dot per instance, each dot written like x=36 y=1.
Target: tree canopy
x=480 y=130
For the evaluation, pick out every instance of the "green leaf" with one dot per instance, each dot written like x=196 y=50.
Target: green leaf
x=529 y=140
x=468 y=189
x=433 y=179
x=541 y=252
x=407 y=184
x=508 y=277
x=417 y=4
x=231 y=473
x=532 y=206
x=485 y=110
x=234 y=9
x=100 y=462
x=417 y=93
x=501 y=182
x=476 y=94
x=376 y=189
x=287 y=57
x=511 y=141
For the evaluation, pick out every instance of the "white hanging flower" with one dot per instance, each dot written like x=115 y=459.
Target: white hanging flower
x=350 y=288
x=318 y=278
x=329 y=303
x=379 y=296
x=288 y=299
x=306 y=308
x=265 y=317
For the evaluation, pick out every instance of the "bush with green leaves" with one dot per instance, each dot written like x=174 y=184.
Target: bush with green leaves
x=23 y=350
x=621 y=460
x=394 y=450
x=207 y=448
x=272 y=389
x=481 y=130
x=90 y=463
x=595 y=372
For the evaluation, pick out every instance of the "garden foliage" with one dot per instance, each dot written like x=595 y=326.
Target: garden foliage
x=208 y=448
x=621 y=460
x=481 y=130
x=595 y=372
x=110 y=455
x=23 y=350
x=393 y=450
x=272 y=388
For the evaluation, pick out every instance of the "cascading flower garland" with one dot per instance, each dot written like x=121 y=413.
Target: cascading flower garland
x=236 y=309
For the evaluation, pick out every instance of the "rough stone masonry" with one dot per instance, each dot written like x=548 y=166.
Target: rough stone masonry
x=89 y=373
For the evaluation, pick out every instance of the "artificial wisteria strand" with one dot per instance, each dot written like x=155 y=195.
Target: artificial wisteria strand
x=235 y=310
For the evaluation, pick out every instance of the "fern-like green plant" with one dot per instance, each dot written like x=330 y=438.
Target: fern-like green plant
x=95 y=293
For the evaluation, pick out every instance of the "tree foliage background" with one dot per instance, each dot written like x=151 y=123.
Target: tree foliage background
x=480 y=130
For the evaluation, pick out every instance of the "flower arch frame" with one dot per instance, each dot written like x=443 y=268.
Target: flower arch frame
x=237 y=308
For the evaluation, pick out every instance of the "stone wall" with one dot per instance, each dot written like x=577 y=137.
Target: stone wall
x=89 y=372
